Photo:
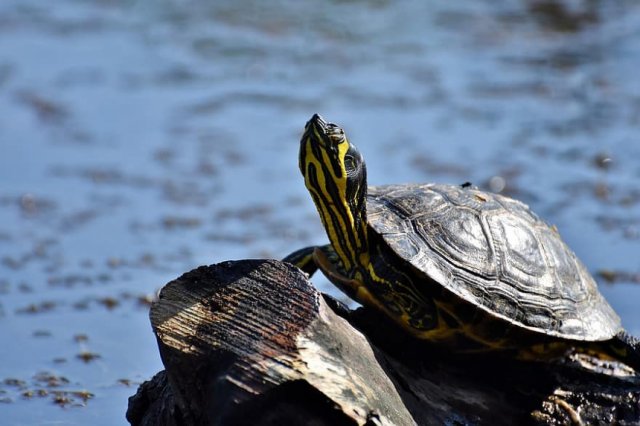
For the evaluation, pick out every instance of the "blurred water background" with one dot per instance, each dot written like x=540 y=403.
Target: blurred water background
x=140 y=139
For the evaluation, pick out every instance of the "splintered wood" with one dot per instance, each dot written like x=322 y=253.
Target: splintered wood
x=258 y=326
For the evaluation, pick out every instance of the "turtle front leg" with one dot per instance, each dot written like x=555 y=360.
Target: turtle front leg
x=304 y=260
x=310 y=259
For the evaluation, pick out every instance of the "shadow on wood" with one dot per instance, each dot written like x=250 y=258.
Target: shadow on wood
x=252 y=342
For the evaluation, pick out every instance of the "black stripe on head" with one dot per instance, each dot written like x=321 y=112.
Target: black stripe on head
x=335 y=174
x=327 y=137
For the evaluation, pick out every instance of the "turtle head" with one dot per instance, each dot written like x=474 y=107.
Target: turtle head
x=336 y=177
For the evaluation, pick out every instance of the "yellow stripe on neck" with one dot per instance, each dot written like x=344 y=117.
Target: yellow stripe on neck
x=337 y=206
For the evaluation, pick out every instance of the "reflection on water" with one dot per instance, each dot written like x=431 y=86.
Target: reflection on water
x=141 y=139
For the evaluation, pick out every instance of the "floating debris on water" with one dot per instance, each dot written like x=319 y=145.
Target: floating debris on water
x=87 y=356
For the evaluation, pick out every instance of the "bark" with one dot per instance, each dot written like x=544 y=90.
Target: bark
x=252 y=342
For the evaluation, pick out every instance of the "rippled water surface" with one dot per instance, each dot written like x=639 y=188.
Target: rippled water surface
x=139 y=139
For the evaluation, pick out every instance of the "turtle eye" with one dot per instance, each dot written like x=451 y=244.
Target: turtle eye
x=336 y=133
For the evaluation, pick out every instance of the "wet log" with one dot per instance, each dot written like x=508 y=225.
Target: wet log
x=252 y=342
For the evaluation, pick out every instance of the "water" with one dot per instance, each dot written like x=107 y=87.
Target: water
x=141 y=139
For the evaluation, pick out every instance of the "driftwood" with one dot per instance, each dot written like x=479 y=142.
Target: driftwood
x=252 y=342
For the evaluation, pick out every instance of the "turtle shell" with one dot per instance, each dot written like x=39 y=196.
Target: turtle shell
x=495 y=253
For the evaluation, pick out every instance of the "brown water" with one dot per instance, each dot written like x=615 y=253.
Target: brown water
x=141 y=139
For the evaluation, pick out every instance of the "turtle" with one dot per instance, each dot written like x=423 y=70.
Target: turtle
x=454 y=265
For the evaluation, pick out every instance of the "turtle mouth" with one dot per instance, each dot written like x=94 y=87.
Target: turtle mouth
x=317 y=121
